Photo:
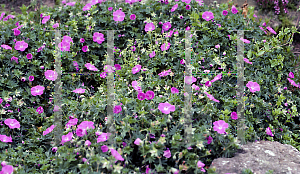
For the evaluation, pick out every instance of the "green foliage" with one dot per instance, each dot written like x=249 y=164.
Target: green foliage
x=269 y=63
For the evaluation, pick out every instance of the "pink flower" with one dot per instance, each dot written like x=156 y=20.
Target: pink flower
x=12 y=123
x=218 y=77
x=247 y=61
x=45 y=19
x=208 y=84
x=292 y=82
x=117 y=109
x=189 y=79
x=271 y=30
x=165 y=47
x=6 y=47
x=87 y=143
x=79 y=91
x=51 y=75
x=103 y=75
x=108 y=69
x=166 y=108
x=64 y=46
x=17 y=32
x=66 y=138
x=225 y=12
x=21 y=45
x=37 y=90
x=49 y=129
x=245 y=40
x=81 y=132
x=269 y=131
x=149 y=95
x=207 y=15
x=182 y=61
x=234 y=116
x=149 y=27
x=220 y=126
x=174 y=90
x=15 y=59
x=254 y=16
x=103 y=137
x=136 y=69
x=40 y=110
x=54 y=149
x=209 y=139
x=56 y=108
x=141 y=96
x=152 y=54
x=234 y=10
x=29 y=56
x=217 y=46
x=7 y=169
x=70 y=4
x=118 y=67
x=167 y=26
x=31 y=78
x=132 y=17
x=67 y=39
x=137 y=141
x=104 y=148
x=82 y=40
x=253 y=86
x=91 y=67
x=118 y=15
x=174 y=7
x=110 y=8
x=211 y=97
x=55 y=25
x=98 y=37
x=167 y=153
x=291 y=75
x=3 y=163
x=115 y=154
x=5 y=139
x=84 y=48
x=87 y=7
x=71 y=122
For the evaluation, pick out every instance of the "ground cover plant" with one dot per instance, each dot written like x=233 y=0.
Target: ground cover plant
x=149 y=70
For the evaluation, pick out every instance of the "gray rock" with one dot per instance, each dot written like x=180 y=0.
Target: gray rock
x=260 y=157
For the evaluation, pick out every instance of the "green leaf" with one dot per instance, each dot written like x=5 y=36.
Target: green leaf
x=249 y=54
x=260 y=53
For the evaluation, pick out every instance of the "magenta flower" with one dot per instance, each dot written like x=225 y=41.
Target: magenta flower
x=132 y=17
x=87 y=143
x=103 y=75
x=211 y=97
x=29 y=56
x=207 y=15
x=3 y=163
x=6 y=47
x=220 y=126
x=118 y=67
x=17 y=32
x=15 y=59
x=269 y=131
x=103 y=137
x=174 y=90
x=87 y=7
x=110 y=8
x=79 y=91
x=51 y=75
x=116 y=154
x=40 y=110
x=165 y=47
x=292 y=82
x=166 y=108
x=208 y=84
x=70 y=4
x=253 y=86
x=104 y=148
x=108 y=69
x=56 y=108
x=71 y=122
x=234 y=116
x=7 y=169
x=149 y=27
x=137 y=141
x=189 y=79
x=98 y=37
x=118 y=15
x=66 y=138
x=291 y=75
x=271 y=30
x=182 y=61
x=67 y=39
x=1 y=100
x=54 y=149
x=84 y=48
x=141 y=96
x=48 y=130
x=91 y=67
x=117 y=109
x=64 y=46
x=136 y=69
x=174 y=7
x=12 y=123
x=234 y=10
x=31 y=78
x=225 y=12
x=167 y=26
x=247 y=61
x=21 y=45
x=149 y=95
x=82 y=40
x=218 y=77
x=5 y=139
x=81 y=132
x=209 y=139
x=152 y=54
x=245 y=40
x=167 y=153
x=37 y=90
x=45 y=19
x=55 y=25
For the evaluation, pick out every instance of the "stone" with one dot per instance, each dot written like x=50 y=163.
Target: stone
x=260 y=157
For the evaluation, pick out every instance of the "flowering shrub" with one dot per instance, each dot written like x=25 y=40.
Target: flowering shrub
x=148 y=118
x=279 y=5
